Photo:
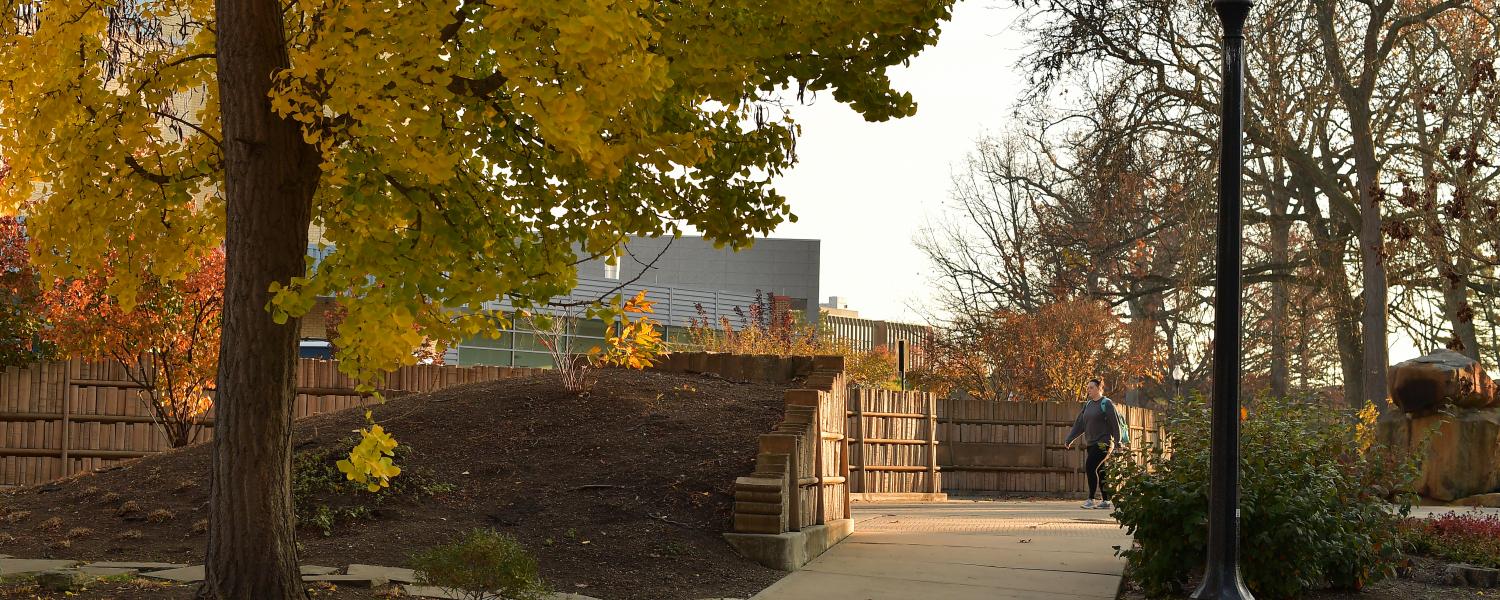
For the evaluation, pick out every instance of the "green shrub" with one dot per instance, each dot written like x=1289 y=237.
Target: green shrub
x=1313 y=505
x=323 y=497
x=1470 y=538
x=481 y=564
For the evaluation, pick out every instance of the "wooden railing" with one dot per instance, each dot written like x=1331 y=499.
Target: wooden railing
x=802 y=466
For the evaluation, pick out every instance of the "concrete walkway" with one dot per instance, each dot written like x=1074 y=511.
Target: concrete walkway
x=966 y=550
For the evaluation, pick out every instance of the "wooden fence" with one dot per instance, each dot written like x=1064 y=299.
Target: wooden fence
x=893 y=445
x=989 y=447
x=62 y=418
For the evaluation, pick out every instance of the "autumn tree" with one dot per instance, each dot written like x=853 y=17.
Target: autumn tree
x=1330 y=98
x=167 y=341
x=1040 y=355
x=20 y=315
x=454 y=153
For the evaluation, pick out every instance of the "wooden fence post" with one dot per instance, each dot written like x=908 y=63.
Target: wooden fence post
x=66 y=439
x=859 y=432
x=932 y=480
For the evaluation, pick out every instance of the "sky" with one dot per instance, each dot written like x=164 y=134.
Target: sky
x=866 y=189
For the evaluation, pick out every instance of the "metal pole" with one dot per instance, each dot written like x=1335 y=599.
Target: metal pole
x=1221 y=578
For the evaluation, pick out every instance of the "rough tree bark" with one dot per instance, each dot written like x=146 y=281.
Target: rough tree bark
x=1329 y=238
x=1355 y=90
x=1281 y=256
x=269 y=180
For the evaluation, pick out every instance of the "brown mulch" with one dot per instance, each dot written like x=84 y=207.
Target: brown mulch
x=621 y=494
x=1424 y=581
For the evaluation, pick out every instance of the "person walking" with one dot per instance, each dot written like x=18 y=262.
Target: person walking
x=1099 y=425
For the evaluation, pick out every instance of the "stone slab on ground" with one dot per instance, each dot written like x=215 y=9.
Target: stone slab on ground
x=428 y=591
x=317 y=570
x=191 y=574
x=21 y=566
x=1015 y=550
x=395 y=574
x=105 y=571
x=1428 y=512
x=1491 y=500
x=347 y=580
x=141 y=566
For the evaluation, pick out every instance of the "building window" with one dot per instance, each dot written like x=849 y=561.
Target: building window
x=612 y=271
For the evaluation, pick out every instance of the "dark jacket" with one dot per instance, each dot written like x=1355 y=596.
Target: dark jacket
x=1098 y=424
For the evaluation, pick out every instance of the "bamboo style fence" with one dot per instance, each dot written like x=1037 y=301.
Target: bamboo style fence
x=62 y=418
x=893 y=445
x=1006 y=447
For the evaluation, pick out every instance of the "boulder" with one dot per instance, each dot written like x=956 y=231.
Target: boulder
x=1427 y=384
x=1462 y=455
x=1472 y=576
x=63 y=581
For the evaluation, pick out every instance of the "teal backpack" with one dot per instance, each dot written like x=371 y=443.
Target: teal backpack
x=1106 y=404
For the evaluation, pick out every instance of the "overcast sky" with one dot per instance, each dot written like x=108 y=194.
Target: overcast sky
x=866 y=189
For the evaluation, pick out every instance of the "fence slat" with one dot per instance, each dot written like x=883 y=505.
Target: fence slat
x=1014 y=447
x=65 y=417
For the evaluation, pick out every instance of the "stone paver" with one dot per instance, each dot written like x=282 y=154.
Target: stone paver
x=317 y=570
x=965 y=550
x=346 y=580
x=1431 y=511
x=21 y=566
x=141 y=566
x=94 y=571
x=191 y=574
x=395 y=574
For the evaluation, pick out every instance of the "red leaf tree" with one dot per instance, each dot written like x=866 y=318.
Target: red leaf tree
x=20 y=322
x=168 y=340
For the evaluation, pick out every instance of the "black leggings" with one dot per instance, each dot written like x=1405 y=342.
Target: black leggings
x=1093 y=470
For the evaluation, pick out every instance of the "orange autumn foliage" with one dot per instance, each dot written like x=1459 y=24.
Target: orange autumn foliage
x=168 y=341
x=1047 y=354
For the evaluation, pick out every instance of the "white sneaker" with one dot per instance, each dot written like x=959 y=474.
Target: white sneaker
x=1105 y=505
x=1089 y=504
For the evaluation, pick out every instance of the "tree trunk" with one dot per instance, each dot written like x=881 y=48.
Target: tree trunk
x=1459 y=312
x=270 y=176
x=1329 y=238
x=1280 y=256
x=1372 y=260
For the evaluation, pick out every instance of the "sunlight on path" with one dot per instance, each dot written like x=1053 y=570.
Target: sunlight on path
x=965 y=550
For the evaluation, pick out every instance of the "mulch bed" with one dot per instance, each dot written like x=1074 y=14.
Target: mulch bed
x=1424 y=581
x=621 y=494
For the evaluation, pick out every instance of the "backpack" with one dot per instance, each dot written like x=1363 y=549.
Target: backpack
x=1124 y=427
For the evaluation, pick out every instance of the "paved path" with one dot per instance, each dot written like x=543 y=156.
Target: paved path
x=966 y=550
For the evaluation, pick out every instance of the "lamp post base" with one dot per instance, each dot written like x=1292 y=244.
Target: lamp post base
x=1223 y=585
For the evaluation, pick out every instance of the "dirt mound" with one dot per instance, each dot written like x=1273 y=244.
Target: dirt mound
x=621 y=494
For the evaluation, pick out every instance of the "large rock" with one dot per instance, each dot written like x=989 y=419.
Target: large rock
x=1426 y=384
x=1462 y=458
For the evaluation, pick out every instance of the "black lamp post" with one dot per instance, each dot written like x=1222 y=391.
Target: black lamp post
x=1221 y=578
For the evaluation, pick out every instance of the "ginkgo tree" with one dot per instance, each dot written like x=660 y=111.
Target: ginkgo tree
x=454 y=152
